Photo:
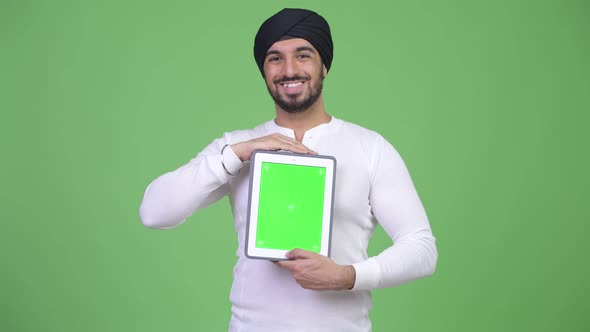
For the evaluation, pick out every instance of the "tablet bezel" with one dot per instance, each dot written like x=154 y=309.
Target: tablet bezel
x=256 y=160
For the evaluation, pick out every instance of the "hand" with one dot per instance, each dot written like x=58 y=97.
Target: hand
x=271 y=142
x=314 y=271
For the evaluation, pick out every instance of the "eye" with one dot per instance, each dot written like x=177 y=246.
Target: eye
x=303 y=55
x=273 y=58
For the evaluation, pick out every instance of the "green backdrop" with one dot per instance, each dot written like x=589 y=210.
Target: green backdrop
x=487 y=101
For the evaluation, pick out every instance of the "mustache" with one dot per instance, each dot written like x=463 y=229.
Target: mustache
x=290 y=79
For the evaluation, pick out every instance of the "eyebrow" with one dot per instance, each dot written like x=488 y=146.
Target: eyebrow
x=272 y=52
x=305 y=48
x=298 y=49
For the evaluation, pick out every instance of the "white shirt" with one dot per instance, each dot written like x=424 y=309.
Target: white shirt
x=372 y=185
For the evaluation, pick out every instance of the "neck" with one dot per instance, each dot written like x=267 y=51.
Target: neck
x=301 y=122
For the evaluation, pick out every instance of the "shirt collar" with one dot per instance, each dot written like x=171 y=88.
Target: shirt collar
x=271 y=127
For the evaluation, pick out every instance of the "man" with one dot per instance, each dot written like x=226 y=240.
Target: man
x=308 y=292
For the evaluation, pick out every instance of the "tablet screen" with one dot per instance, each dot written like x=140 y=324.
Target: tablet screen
x=290 y=204
x=291 y=207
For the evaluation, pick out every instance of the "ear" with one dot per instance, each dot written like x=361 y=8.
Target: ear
x=324 y=71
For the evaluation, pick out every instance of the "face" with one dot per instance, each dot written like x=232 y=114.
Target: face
x=294 y=73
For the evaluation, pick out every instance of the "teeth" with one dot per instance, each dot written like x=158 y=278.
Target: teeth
x=292 y=85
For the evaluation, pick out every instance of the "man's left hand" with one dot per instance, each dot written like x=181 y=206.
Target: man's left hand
x=314 y=271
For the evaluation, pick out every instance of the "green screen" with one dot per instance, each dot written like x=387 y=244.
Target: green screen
x=291 y=207
x=488 y=102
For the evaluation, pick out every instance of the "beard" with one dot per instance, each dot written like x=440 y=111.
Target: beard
x=297 y=103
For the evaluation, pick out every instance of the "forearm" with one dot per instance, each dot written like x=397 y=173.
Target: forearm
x=174 y=196
x=411 y=257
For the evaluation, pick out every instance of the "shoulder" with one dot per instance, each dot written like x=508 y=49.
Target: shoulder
x=241 y=135
x=232 y=137
x=374 y=147
x=368 y=138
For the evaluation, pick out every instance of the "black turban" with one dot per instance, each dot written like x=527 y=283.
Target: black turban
x=297 y=23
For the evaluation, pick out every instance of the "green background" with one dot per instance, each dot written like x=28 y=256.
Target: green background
x=291 y=207
x=487 y=101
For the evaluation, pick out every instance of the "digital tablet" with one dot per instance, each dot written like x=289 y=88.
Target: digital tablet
x=290 y=204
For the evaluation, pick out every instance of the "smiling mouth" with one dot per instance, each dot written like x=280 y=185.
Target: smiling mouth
x=292 y=84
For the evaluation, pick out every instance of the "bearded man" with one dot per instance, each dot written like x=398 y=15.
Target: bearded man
x=308 y=292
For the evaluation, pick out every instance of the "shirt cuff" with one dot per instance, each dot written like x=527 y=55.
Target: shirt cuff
x=367 y=275
x=232 y=163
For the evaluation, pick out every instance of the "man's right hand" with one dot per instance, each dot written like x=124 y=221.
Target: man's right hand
x=271 y=142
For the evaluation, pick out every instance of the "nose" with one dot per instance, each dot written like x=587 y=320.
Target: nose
x=290 y=68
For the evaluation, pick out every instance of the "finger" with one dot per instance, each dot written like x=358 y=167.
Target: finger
x=288 y=265
x=300 y=254
x=295 y=146
x=284 y=138
x=277 y=142
x=279 y=264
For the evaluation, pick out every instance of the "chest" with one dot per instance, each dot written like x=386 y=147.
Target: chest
x=352 y=185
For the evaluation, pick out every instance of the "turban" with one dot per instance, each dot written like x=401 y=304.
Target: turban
x=296 y=23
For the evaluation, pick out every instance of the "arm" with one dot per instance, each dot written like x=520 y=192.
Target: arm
x=174 y=196
x=396 y=205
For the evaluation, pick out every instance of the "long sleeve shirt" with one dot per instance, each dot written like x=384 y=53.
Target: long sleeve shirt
x=372 y=186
